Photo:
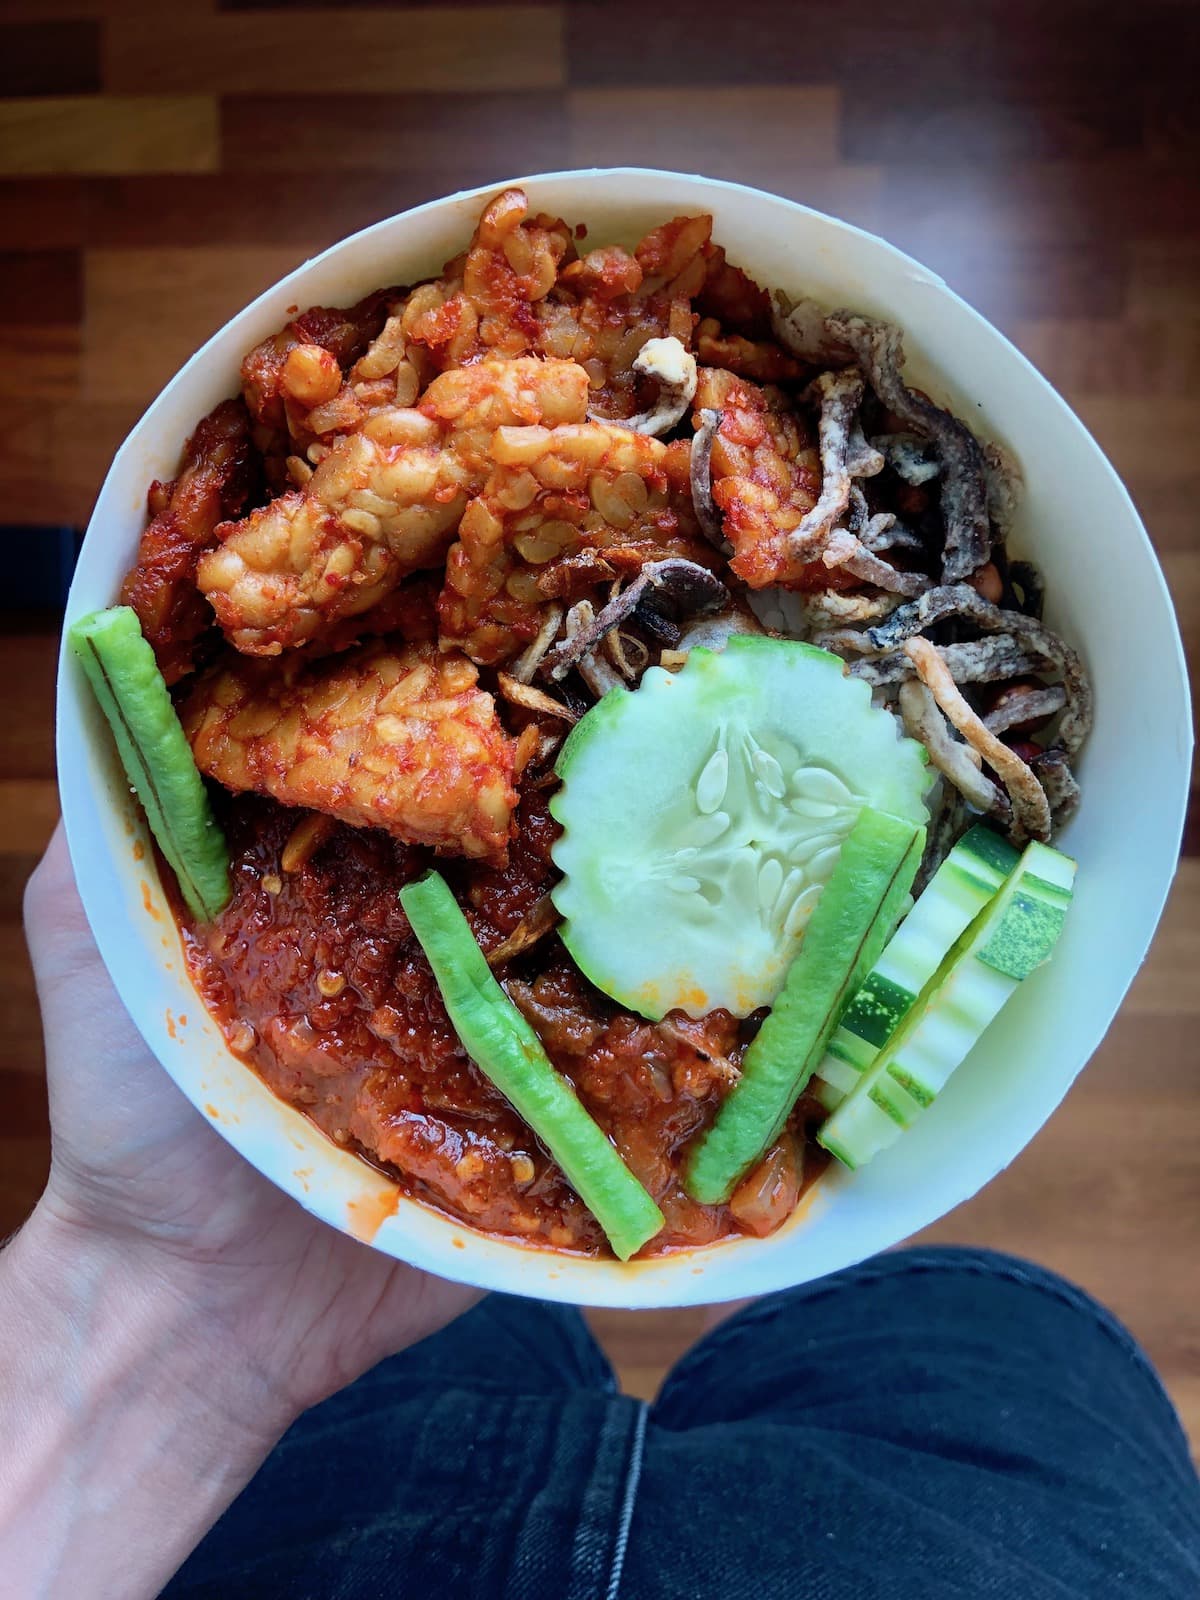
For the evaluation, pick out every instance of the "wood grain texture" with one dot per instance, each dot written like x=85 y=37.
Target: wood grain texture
x=330 y=51
x=108 y=133
x=161 y=163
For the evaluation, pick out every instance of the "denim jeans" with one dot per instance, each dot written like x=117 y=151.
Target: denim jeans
x=931 y=1424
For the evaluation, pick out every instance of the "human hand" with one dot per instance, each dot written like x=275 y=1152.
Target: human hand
x=166 y=1313
x=138 y=1174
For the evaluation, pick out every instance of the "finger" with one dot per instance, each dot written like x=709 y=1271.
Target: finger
x=56 y=926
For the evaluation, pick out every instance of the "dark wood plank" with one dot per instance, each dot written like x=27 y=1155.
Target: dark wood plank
x=41 y=286
x=322 y=52
x=61 y=57
x=308 y=210
x=44 y=213
x=401 y=134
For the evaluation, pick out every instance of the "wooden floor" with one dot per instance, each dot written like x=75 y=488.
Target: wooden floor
x=162 y=162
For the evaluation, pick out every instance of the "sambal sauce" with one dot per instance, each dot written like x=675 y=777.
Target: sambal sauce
x=318 y=983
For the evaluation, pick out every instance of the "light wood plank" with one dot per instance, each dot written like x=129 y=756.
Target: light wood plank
x=1167 y=985
x=28 y=813
x=39 y=364
x=109 y=134
x=1148 y=445
x=1134 y=356
x=331 y=51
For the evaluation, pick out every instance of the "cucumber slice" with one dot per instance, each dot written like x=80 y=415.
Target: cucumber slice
x=962 y=886
x=856 y=913
x=704 y=812
x=503 y=1045
x=125 y=679
x=1016 y=934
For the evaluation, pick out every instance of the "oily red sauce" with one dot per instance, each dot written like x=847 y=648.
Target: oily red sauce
x=317 y=981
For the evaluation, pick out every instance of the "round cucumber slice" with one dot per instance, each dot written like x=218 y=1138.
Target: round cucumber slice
x=703 y=812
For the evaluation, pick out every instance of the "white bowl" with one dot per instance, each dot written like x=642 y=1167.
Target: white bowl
x=1105 y=592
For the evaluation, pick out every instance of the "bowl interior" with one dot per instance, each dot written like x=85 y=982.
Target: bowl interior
x=1105 y=593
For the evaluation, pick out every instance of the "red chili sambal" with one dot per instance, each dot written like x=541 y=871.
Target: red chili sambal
x=317 y=981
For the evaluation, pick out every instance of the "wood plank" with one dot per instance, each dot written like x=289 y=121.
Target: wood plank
x=625 y=43
x=1081 y=121
x=111 y=133
x=307 y=210
x=331 y=51
x=1126 y=355
x=1085 y=1202
x=39 y=363
x=1056 y=201
x=412 y=134
x=694 y=129
x=643 y=1344
x=1165 y=274
x=1166 y=985
x=1182 y=569
x=28 y=812
x=1150 y=446
x=40 y=286
x=27 y=749
x=155 y=307
x=44 y=213
x=57 y=57
x=56 y=456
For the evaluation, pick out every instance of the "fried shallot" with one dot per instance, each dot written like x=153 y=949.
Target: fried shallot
x=960 y=600
x=1031 y=809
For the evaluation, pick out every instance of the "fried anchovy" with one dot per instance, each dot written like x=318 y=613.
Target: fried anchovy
x=992 y=660
x=960 y=600
x=705 y=506
x=1021 y=708
x=1030 y=807
x=842 y=549
x=878 y=347
x=1054 y=773
x=839 y=395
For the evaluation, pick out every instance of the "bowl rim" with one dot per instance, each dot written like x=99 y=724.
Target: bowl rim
x=485 y=1261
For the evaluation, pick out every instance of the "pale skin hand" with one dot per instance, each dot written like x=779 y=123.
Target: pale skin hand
x=166 y=1312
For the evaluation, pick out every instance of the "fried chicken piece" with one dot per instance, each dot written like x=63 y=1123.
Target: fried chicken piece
x=399 y=739
x=606 y=306
x=482 y=304
x=383 y=502
x=564 y=509
x=765 y=476
x=218 y=475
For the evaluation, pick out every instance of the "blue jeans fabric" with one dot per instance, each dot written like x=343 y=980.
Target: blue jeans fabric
x=933 y=1423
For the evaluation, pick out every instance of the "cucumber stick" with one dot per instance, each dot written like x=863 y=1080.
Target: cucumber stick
x=854 y=916
x=153 y=747
x=967 y=880
x=504 y=1047
x=703 y=814
x=1016 y=934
